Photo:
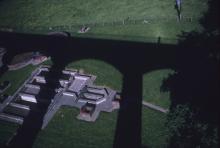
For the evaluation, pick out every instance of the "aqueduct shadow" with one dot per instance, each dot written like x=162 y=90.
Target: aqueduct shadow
x=197 y=82
x=132 y=59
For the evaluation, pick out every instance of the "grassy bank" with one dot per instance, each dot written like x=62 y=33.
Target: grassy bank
x=66 y=131
x=28 y=15
x=152 y=83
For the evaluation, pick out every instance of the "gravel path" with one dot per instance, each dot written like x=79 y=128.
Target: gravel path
x=154 y=107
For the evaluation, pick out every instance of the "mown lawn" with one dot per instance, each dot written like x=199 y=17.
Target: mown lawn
x=144 y=32
x=28 y=15
x=152 y=83
x=106 y=74
x=6 y=131
x=154 y=132
x=66 y=131
x=16 y=78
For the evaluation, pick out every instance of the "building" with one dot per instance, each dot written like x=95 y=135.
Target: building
x=76 y=90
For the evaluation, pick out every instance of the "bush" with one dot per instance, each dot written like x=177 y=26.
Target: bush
x=187 y=131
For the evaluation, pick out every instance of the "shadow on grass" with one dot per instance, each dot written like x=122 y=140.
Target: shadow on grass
x=195 y=59
x=196 y=85
x=191 y=84
x=132 y=59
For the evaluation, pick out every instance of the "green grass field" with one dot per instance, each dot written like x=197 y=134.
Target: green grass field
x=67 y=131
x=28 y=15
x=154 y=132
x=16 y=78
x=6 y=132
x=106 y=74
x=152 y=83
x=69 y=15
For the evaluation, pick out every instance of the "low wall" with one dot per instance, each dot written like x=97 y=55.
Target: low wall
x=19 y=65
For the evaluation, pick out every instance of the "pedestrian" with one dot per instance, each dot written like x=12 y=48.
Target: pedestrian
x=178 y=8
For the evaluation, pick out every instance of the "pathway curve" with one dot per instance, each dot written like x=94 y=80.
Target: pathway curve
x=154 y=107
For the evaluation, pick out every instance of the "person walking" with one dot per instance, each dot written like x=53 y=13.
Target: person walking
x=178 y=8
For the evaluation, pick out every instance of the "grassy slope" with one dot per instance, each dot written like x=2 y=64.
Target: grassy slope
x=151 y=88
x=16 y=78
x=6 y=131
x=67 y=131
x=46 y=13
x=106 y=74
x=154 y=131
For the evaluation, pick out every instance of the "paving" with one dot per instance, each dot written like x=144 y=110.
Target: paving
x=76 y=90
x=154 y=107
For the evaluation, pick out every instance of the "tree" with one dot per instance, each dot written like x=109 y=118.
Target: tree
x=187 y=131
